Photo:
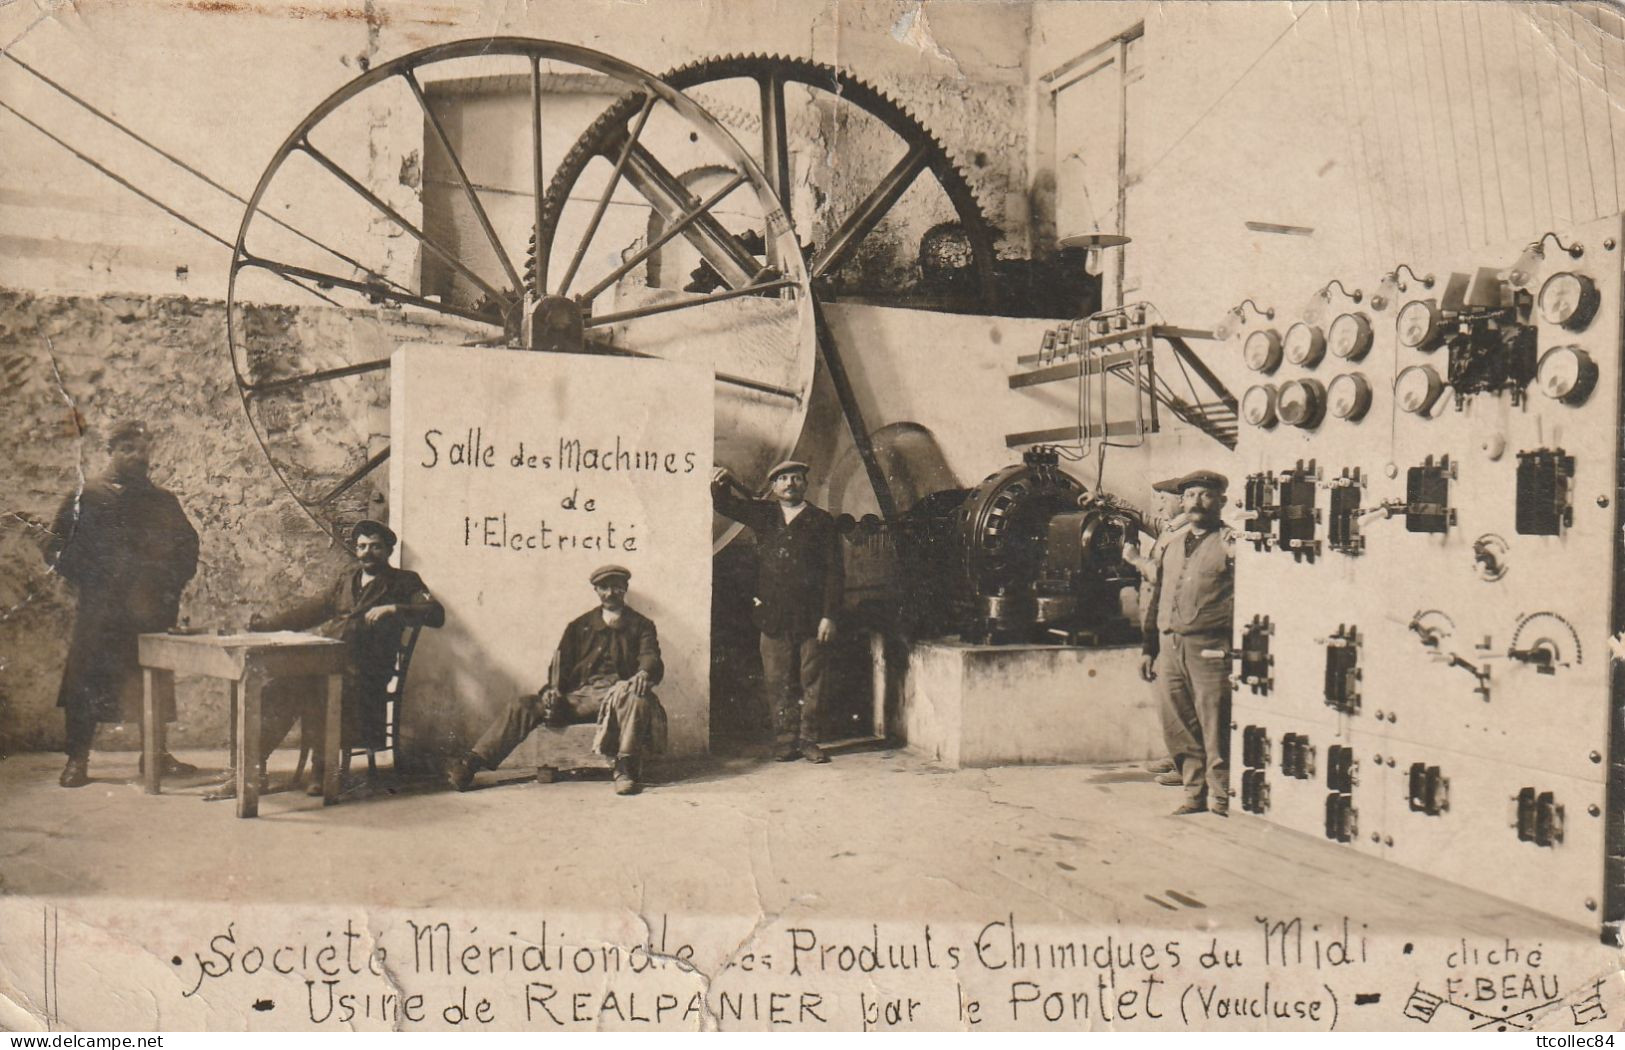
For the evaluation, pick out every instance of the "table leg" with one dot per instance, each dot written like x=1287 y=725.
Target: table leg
x=248 y=744
x=151 y=727
x=332 y=730
x=231 y=719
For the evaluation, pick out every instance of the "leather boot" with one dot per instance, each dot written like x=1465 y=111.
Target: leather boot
x=626 y=776
x=76 y=774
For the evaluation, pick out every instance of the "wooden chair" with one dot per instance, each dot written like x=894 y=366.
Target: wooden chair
x=395 y=699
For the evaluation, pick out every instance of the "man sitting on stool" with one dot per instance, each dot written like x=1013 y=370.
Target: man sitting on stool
x=606 y=663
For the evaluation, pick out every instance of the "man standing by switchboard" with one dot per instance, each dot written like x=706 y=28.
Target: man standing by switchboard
x=801 y=581
x=1187 y=643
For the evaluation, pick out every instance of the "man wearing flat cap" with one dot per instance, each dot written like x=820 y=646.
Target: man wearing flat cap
x=800 y=584
x=126 y=547
x=1189 y=614
x=606 y=664
x=368 y=605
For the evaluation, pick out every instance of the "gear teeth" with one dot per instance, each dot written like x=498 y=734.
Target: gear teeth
x=820 y=76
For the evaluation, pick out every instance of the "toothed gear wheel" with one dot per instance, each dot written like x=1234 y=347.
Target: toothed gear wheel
x=924 y=153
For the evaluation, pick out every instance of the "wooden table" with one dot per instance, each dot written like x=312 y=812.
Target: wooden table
x=248 y=662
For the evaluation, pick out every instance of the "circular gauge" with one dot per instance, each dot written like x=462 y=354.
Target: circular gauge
x=1418 y=324
x=1566 y=373
x=1302 y=403
x=1349 y=337
x=1568 y=299
x=1348 y=397
x=1262 y=351
x=1258 y=405
x=1305 y=344
x=1417 y=388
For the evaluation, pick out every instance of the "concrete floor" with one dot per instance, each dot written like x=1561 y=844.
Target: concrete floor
x=871 y=835
x=739 y=857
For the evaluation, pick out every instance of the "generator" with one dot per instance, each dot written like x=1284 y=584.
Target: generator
x=1028 y=556
x=1428 y=606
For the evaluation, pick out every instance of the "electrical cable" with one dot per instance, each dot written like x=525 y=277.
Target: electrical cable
x=184 y=166
x=149 y=198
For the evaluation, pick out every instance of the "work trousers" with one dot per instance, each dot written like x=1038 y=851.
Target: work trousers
x=793 y=675
x=304 y=700
x=1195 y=695
x=628 y=726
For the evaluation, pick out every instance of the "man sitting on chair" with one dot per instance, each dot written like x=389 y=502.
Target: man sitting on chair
x=368 y=606
x=606 y=663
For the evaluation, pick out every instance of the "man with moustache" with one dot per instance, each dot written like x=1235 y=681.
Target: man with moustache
x=368 y=605
x=128 y=550
x=606 y=664
x=1191 y=607
x=801 y=582
x=1171 y=516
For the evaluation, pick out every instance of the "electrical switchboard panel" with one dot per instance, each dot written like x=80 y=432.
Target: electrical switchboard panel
x=1427 y=678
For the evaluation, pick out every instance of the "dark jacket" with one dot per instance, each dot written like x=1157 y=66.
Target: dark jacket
x=128 y=551
x=632 y=645
x=345 y=603
x=800 y=575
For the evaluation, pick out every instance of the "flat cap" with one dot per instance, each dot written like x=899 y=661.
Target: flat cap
x=604 y=572
x=370 y=527
x=1168 y=485
x=1206 y=478
x=127 y=430
x=789 y=466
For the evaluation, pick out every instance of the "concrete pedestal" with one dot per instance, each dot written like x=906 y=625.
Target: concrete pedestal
x=992 y=705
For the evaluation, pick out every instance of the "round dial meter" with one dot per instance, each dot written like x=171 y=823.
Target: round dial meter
x=1262 y=351
x=1348 y=397
x=1568 y=299
x=1417 y=388
x=1305 y=344
x=1418 y=324
x=1349 y=337
x=1302 y=403
x=1258 y=405
x=1566 y=374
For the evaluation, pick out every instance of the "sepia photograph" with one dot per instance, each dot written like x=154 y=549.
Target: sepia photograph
x=812 y=515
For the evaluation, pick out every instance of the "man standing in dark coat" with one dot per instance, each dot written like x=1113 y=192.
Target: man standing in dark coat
x=128 y=550
x=607 y=660
x=368 y=606
x=800 y=584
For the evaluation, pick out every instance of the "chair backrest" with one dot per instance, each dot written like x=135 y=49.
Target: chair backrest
x=403 y=661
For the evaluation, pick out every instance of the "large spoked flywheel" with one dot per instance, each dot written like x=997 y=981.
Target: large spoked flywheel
x=400 y=210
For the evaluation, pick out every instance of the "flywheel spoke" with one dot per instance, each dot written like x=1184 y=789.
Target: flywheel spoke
x=371 y=290
x=673 y=228
x=538 y=263
x=609 y=191
x=685 y=304
x=732 y=261
x=323 y=376
x=353 y=478
x=462 y=178
x=449 y=257
x=862 y=221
